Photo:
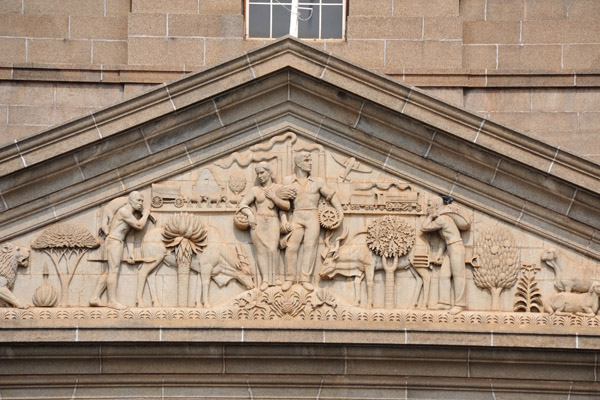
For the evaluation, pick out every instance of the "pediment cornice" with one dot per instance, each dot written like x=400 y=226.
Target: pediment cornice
x=290 y=86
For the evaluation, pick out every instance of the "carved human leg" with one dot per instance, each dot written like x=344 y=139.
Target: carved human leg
x=291 y=256
x=309 y=253
x=114 y=252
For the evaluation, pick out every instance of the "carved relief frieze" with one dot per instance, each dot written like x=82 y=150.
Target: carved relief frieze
x=290 y=230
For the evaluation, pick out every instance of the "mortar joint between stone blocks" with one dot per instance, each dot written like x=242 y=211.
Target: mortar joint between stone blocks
x=554 y=159
x=20 y=154
x=359 y=114
x=572 y=201
x=188 y=155
x=170 y=98
x=430 y=145
x=326 y=65
x=252 y=69
x=96 y=125
x=217 y=112
x=479 y=130
x=407 y=97
x=257 y=127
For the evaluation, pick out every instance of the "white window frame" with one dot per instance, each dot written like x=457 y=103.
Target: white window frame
x=295 y=4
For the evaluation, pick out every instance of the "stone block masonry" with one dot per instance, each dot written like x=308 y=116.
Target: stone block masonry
x=464 y=45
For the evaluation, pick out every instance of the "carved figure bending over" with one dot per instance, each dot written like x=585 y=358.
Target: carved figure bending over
x=304 y=227
x=11 y=257
x=116 y=229
x=451 y=256
x=264 y=224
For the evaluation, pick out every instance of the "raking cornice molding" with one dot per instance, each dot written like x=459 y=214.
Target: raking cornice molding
x=288 y=85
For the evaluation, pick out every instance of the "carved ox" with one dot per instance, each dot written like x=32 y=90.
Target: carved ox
x=217 y=261
x=584 y=304
x=355 y=260
x=569 y=276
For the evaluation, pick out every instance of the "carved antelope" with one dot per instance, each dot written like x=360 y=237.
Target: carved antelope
x=218 y=261
x=355 y=260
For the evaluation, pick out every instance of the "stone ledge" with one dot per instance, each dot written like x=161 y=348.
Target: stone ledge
x=149 y=74
x=361 y=326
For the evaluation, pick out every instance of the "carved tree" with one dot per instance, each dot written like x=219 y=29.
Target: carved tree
x=66 y=242
x=390 y=237
x=528 y=297
x=496 y=265
x=187 y=234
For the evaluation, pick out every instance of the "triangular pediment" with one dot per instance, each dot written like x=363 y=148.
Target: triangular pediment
x=289 y=86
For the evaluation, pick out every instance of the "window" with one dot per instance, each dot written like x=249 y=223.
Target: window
x=305 y=19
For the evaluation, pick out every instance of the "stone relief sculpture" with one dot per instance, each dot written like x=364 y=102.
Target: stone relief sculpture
x=304 y=227
x=350 y=165
x=187 y=235
x=68 y=242
x=119 y=218
x=569 y=276
x=496 y=265
x=583 y=304
x=264 y=223
x=390 y=237
x=45 y=295
x=254 y=250
x=11 y=257
x=449 y=221
x=216 y=261
x=528 y=297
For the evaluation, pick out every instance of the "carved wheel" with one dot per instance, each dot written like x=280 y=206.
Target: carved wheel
x=157 y=202
x=328 y=216
x=179 y=202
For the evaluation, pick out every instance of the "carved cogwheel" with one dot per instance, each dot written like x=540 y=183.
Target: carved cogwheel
x=328 y=216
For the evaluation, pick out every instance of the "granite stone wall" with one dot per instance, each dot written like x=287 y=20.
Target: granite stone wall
x=529 y=64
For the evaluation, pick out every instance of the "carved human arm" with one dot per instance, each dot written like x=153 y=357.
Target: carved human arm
x=132 y=221
x=244 y=208
x=280 y=203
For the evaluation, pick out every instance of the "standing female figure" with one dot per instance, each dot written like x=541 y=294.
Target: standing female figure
x=264 y=224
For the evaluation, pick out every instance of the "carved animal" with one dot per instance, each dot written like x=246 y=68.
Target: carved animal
x=569 y=276
x=584 y=304
x=355 y=260
x=11 y=257
x=217 y=261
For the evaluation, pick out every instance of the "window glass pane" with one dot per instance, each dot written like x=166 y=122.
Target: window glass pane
x=308 y=2
x=281 y=21
x=259 y=1
x=308 y=23
x=333 y=1
x=331 y=24
x=259 y=21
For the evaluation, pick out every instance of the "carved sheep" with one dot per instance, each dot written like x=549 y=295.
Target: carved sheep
x=584 y=304
x=11 y=257
x=569 y=276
